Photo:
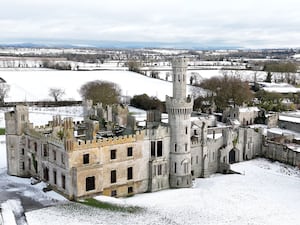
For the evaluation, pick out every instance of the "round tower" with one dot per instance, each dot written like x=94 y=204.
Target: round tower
x=179 y=108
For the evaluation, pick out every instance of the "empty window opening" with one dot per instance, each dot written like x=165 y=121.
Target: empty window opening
x=113 y=154
x=86 y=158
x=129 y=173
x=129 y=151
x=159 y=148
x=113 y=176
x=90 y=183
x=153 y=148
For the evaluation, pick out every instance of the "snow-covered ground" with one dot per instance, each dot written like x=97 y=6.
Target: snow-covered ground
x=34 y=85
x=265 y=193
x=17 y=195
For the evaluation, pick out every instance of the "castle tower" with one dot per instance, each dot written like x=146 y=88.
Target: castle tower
x=15 y=125
x=179 y=108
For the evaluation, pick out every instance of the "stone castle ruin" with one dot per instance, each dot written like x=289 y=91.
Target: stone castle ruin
x=97 y=156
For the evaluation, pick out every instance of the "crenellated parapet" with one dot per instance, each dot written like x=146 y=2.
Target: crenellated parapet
x=95 y=143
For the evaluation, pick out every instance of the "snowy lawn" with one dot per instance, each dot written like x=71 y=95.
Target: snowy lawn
x=265 y=193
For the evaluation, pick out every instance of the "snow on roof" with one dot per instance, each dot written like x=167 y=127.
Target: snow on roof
x=279 y=87
x=293 y=119
x=294 y=147
x=217 y=135
x=249 y=109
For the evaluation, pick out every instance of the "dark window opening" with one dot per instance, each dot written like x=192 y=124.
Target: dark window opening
x=175 y=167
x=45 y=150
x=90 y=183
x=29 y=164
x=54 y=177
x=113 y=154
x=159 y=148
x=23 y=166
x=46 y=173
x=35 y=146
x=159 y=170
x=129 y=151
x=129 y=173
x=186 y=130
x=113 y=193
x=130 y=190
x=175 y=147
x=54 y=155
x=63 y=181
x=23 y=151
x=86 y=158
x=113 y=176
x=152 y=148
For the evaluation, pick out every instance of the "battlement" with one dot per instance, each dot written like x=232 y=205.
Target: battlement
x=85 y=144
x=179 y=62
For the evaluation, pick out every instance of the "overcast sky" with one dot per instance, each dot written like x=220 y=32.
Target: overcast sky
x=245 y=23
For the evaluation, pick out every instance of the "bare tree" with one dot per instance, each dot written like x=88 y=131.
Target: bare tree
x=56 y=93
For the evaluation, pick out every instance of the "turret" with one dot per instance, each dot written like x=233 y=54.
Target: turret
x=179 y=108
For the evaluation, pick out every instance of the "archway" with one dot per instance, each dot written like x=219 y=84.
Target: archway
x=232 y=156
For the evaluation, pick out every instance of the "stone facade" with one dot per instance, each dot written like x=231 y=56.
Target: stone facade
x=74 y=162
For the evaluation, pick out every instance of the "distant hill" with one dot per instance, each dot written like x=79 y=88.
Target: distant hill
x=112 y=44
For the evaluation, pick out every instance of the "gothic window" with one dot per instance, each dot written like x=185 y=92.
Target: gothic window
x=129 y=151
x=129 y=173
x=113 y=154
x=86 y=158
x=159 y=148
x=90 y=183
x=113 y=176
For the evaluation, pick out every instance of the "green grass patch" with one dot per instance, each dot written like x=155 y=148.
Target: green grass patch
x=111 y=207
x=2 y=131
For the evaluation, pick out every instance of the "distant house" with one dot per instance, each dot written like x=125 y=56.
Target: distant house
x=289 y=121
x=282 y=88
x=242 y=115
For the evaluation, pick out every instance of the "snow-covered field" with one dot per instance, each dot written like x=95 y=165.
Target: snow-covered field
x=34 y=85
